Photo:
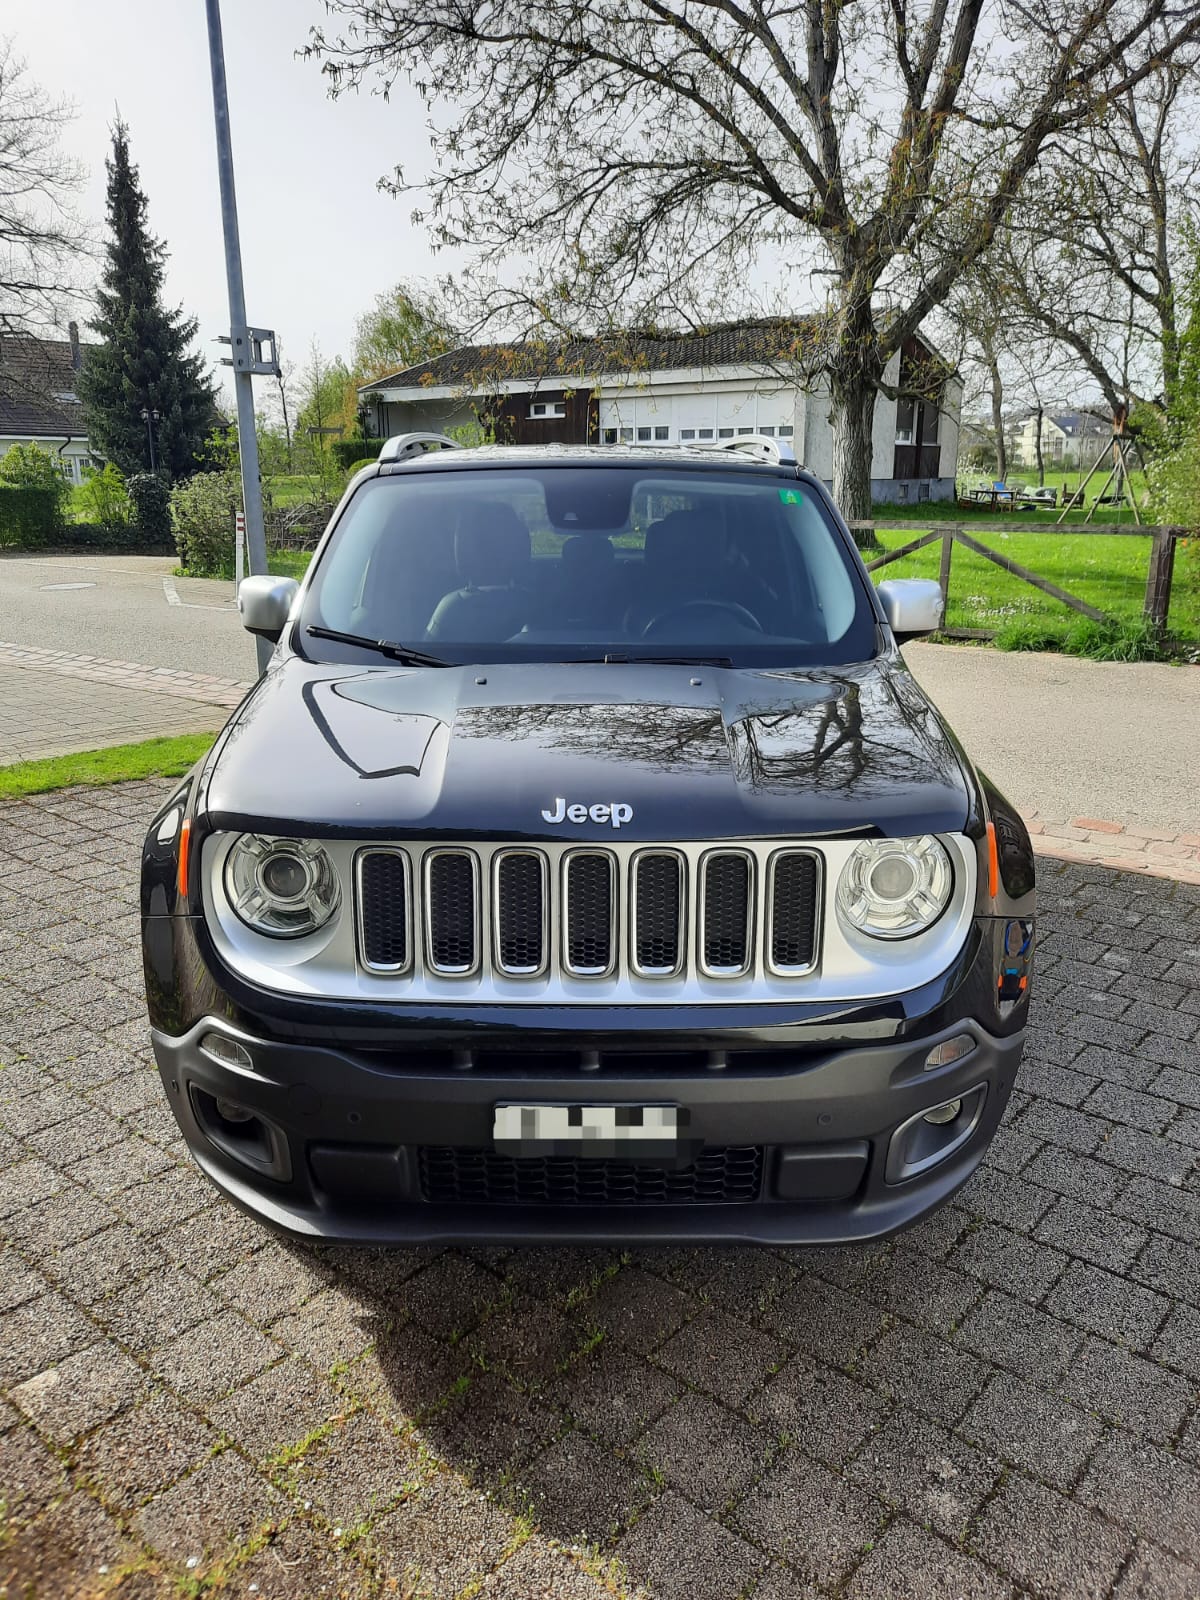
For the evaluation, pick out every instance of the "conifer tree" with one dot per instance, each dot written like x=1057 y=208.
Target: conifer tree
x=143 y=361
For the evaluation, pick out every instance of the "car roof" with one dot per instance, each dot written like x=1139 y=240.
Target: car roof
x=603 y=455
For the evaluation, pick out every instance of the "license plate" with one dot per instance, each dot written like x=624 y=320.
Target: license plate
x=588 y=1131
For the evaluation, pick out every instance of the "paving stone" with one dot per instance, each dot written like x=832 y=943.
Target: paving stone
x=80 y=1392
x=210 y=1242
x=1081 y=1178
x=65 y=1553
x=1171 y=1267
x=294 y=1563
x=1108 y=1305
x=27 y=1183
x=1032 y=1428
x=910 y=1564
x=823 y=1411
x=933 y=1475
x=1128 y=1390
x=36 y=1334
x=637 y=1309
x=529 y=1342
x=144 y=1450
x=827 y=1323
x=615 y=1394
x=31 y=1476
x=210 y=1512
x=280 y=1407
x=921 y=1371
x=1091 y=1234
x=1159 y=1206
x=710 y=1454
x=213 y=1357
x=1154 y=1575
x=721 y=1355
x=121 y=1166
x=681 y=1554
x=1009 y=1261
x=1003 y=1198
x=267 y=1285
x=1130 y=1108
x=1150 y=1157
x=541 y=1570
x=330 y=1331
x=1147 y=1490
x=19 y=1283
x=357 y=1471
x=817 y=1522
x=440 y=1539
x=491 y=1429
x=154 y=1310
x=449 y=1295
x=1049 y=1544
x=1008 y=1333
x=1179 y=1342
x=1011 y=1150
x=582 y=1492
x=102 y=1263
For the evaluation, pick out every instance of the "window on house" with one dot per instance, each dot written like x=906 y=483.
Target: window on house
x=548 y=408
x=643 y=435
x=905 y=421
x=626 y=435
x=662 y=433
x=687 y=433
x=610 y=436
x=745 y=430
x=785 y=430
x=724 y=433
x=706 y=433
x=768 y=430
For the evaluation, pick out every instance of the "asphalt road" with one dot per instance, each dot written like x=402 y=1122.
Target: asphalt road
x=1067 y=737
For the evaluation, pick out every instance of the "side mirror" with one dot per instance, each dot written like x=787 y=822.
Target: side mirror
x=913 y=606
x=265 y=603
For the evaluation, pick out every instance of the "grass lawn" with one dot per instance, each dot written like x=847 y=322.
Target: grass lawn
x=1107 y=572
x=153 y=758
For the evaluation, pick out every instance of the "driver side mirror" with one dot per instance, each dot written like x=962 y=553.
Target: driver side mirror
x=265 y=603
x=912 y=606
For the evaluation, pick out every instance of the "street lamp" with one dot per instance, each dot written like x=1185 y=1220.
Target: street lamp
x=150 y=417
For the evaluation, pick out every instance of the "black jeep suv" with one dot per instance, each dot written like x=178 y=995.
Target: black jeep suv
x=587 y=865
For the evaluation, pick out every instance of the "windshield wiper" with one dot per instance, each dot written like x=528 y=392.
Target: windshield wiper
x=619 y=658
x=384 y=647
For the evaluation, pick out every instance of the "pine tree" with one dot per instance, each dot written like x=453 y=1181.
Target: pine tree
x=143 y=361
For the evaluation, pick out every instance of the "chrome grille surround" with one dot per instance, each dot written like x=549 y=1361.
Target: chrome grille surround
x=329 y=963
x=578 y=912
x=502 y=902
x=363 y=863
x=638 y=924
x=774 y=911
x=718 y=920
x=434 y=903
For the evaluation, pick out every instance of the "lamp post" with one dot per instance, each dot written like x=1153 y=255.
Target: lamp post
x=150 y=418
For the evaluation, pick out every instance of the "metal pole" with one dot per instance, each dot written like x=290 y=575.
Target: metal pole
x=243 y=384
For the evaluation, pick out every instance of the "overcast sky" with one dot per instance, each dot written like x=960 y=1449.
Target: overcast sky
x=318 y=240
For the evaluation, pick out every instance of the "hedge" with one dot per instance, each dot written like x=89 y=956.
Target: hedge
x=150 y=501
x=202 y=514
x=30 y=517
x=347 y=451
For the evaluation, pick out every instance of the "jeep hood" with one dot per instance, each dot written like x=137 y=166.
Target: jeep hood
x=696 y=752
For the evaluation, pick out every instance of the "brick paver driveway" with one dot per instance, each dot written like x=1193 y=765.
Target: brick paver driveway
x=1003 y=1400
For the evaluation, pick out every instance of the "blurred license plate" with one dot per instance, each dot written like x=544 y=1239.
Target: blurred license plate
x=599 y=1131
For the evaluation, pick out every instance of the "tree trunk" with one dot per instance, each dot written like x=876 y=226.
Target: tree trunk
x=998 y=421
x=1041 y=464
x=852 y=410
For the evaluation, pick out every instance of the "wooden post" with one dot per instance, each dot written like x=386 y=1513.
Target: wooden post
x=1158 y=579
x=944 y=573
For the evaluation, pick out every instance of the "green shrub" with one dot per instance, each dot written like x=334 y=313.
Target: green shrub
x=31 y=515
x=202 y=513
x=346 y=451
x=101 y=500
x=1115 y=641
x=150 y=503
x=1028 y=633
x=357 y=466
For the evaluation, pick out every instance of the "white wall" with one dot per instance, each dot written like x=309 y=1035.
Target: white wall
x=698 y=412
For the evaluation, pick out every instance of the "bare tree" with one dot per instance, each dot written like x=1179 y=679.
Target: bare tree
x=40 y=235
x=644 y=154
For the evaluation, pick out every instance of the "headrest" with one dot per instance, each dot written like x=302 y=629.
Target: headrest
x=491 y=545
x=685 y=539
x=583 y=554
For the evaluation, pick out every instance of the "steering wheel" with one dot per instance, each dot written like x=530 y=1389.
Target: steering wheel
x=731 y=607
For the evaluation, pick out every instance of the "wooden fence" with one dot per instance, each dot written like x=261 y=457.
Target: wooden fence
x=1159 y=575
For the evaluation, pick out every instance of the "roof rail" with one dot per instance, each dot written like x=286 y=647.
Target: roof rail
x=404 y=445
x=762 y=447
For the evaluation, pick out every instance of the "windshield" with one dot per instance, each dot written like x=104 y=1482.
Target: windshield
x=587 y=562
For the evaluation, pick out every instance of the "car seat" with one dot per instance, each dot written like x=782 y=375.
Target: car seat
x=491 y=553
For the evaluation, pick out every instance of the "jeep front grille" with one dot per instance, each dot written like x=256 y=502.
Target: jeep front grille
x=578 y=917
x=727 y=1175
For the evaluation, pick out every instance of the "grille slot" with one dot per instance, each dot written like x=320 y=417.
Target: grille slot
x=383 y=910
x=452 y=911
x=520 y=901
x=792 y=903
x=726 y=912
x=723 y=1176
x=658 y=913
x=589 y=913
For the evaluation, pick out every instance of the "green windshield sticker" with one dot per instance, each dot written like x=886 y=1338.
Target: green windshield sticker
x=791 y=497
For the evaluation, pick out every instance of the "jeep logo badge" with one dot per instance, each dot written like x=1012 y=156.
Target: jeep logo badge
x=612 y=811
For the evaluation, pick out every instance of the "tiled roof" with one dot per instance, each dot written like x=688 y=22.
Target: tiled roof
x=730 y=344
x=34 y=376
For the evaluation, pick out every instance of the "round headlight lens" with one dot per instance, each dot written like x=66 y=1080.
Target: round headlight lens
x=282 y=887
x=894 y=888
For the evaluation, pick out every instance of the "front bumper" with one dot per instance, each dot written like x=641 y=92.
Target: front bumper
x=342 y=1137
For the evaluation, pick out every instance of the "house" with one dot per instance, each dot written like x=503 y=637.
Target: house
x=38 y=402
x=1069 y=438
x=680 y=388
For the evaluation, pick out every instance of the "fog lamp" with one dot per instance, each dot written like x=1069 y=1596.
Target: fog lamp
x=940 y=1115
x=949 y=1050
x=232 y=1113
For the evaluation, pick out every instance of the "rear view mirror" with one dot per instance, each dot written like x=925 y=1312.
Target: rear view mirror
x=913 y=606
x=264 y=603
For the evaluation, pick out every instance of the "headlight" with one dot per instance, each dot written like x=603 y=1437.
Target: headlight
x=893 y=888
x=282 y=887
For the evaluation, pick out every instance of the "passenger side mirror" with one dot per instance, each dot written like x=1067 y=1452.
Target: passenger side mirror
x=913 y=606
x=264 y=603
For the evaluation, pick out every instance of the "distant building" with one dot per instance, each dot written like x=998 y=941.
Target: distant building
x=38 y=399
x=649 y=388
x=1069 y=438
